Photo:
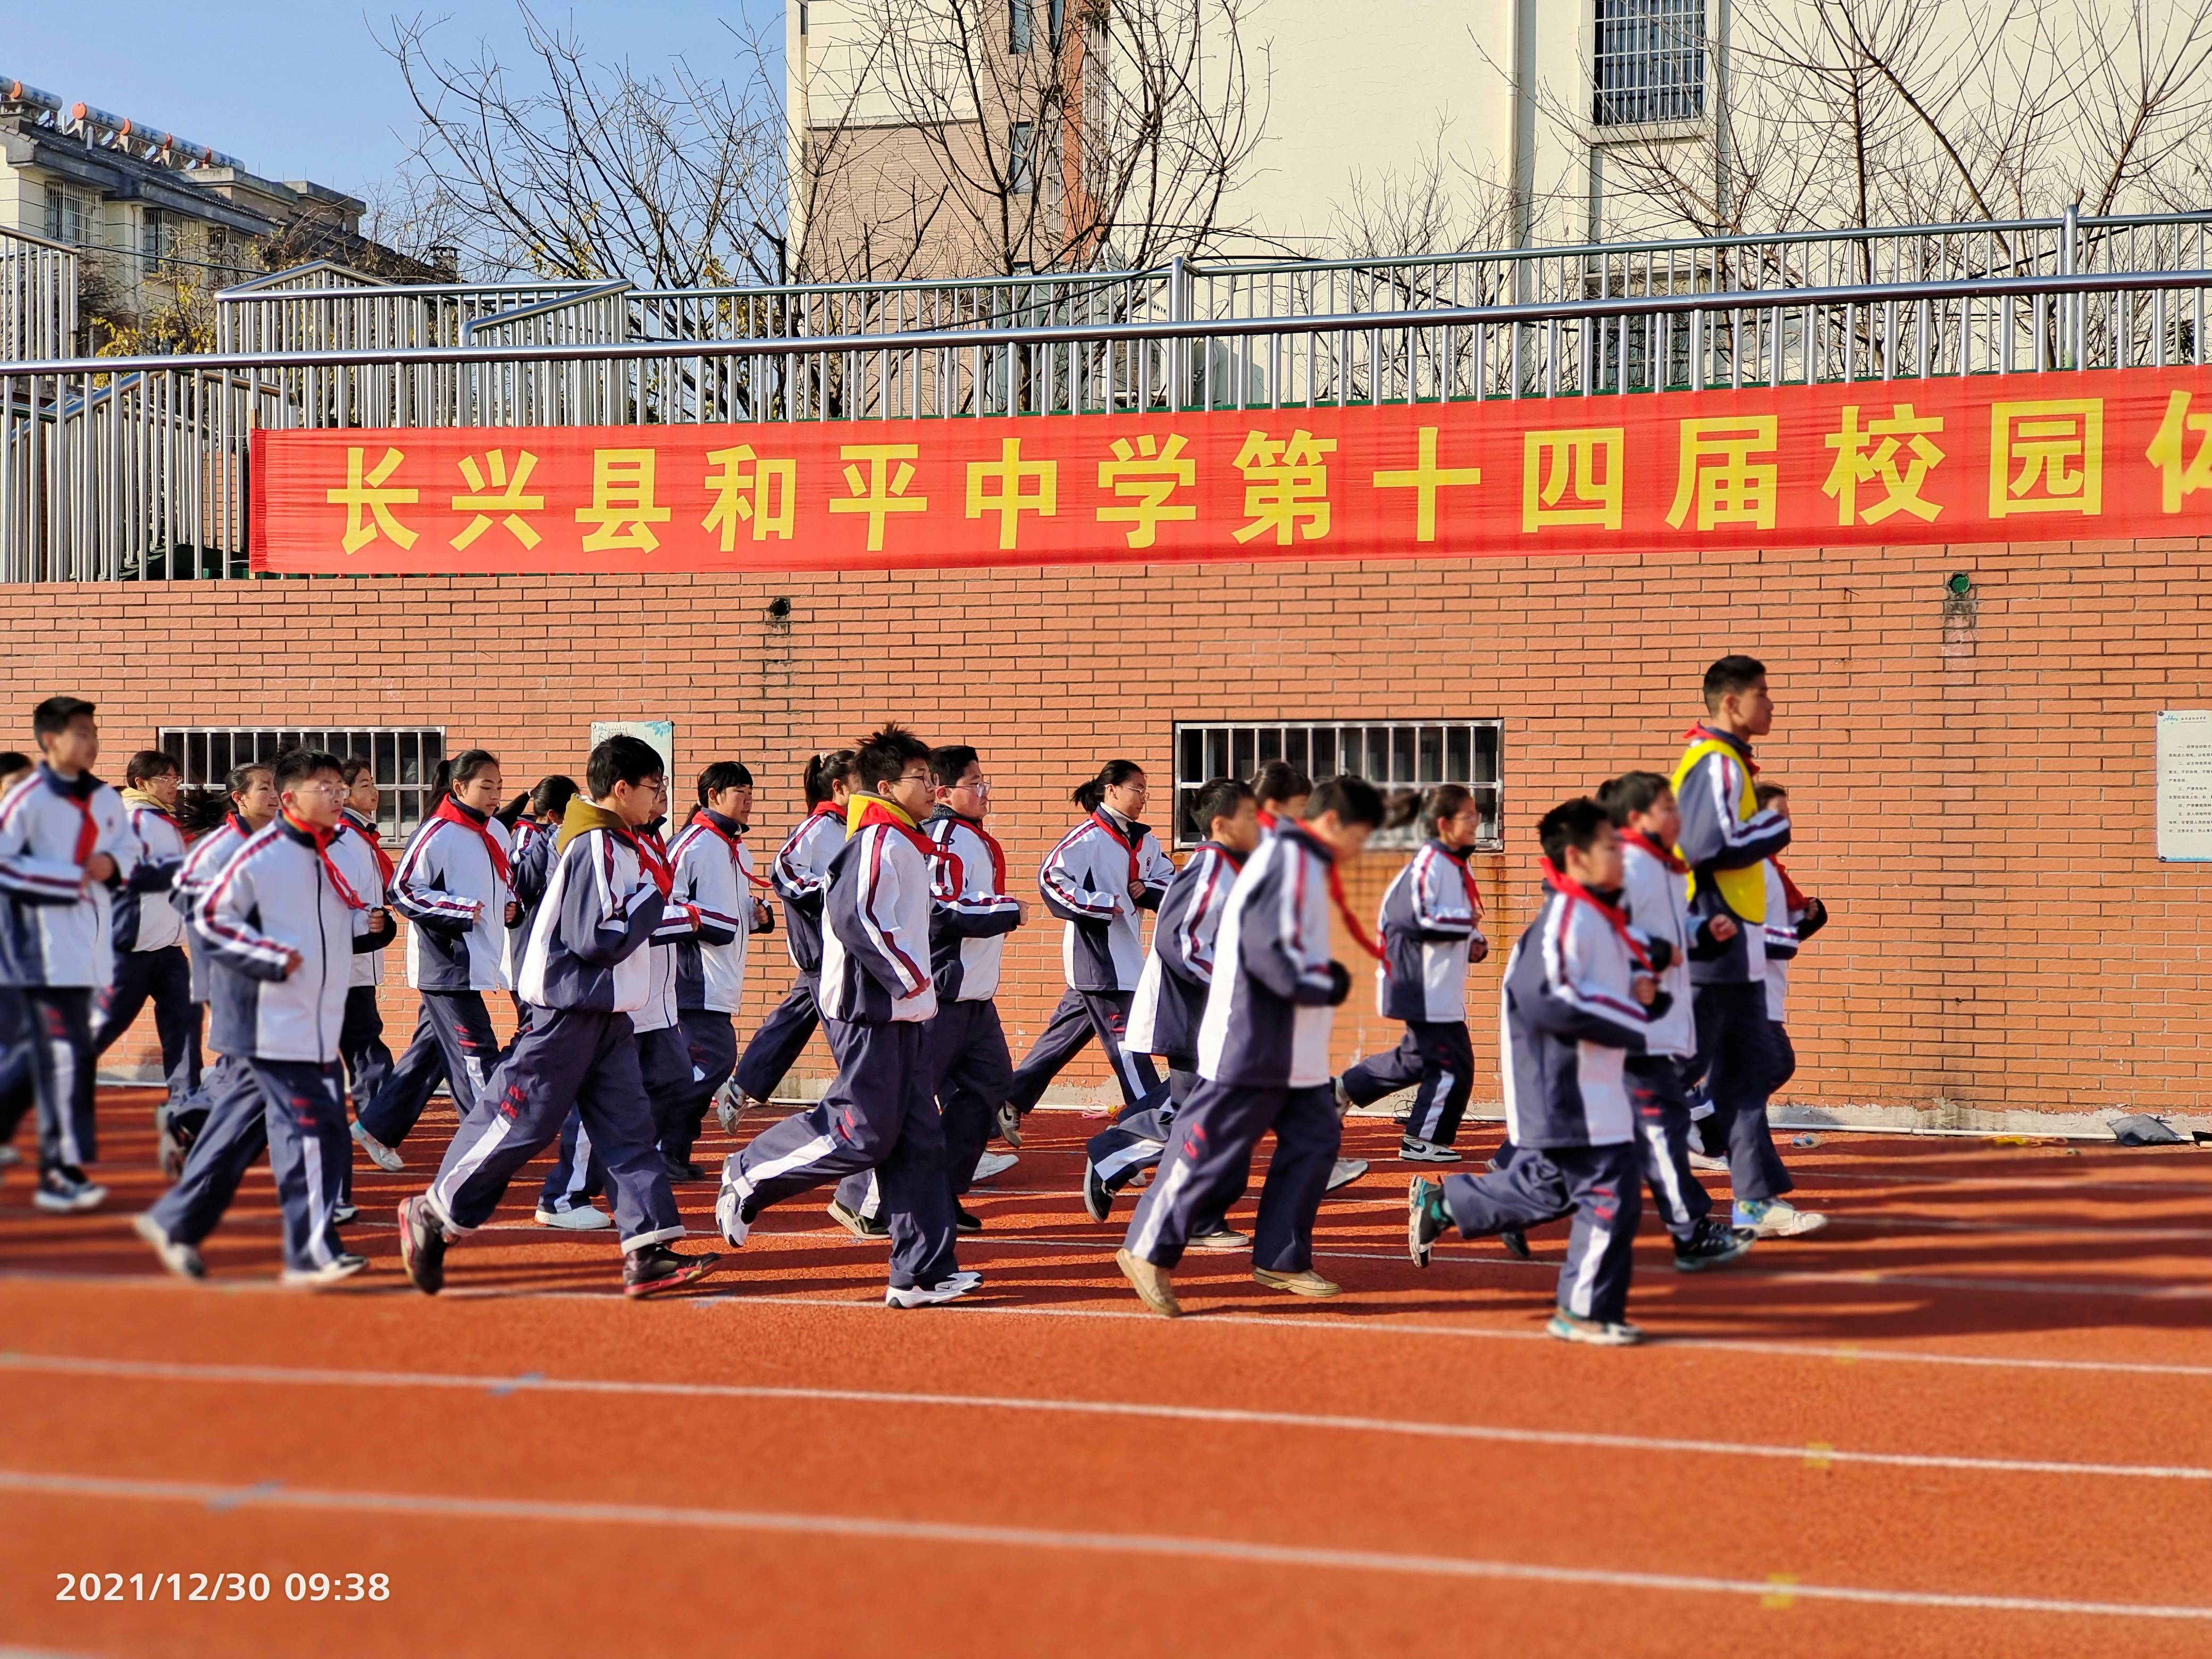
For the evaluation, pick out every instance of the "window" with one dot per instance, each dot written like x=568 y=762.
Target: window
x=1055 y=13
x=1017 y=26
x=72 y=215
x=403 y=760
x=160 y=240
x=1649 y=62
x=1391 y=755
x=1021 y=158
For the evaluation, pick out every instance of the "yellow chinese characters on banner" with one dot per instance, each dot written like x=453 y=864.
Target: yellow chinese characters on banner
x=1573 y=476
x=2047 y=456
x=1717 y=473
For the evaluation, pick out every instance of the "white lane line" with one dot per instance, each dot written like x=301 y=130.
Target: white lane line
x=2013 y=1184
x=535 y=1382
x=1297 y=1318
x=270 y=1496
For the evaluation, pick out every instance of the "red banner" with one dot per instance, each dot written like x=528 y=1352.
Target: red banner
x=2014 y=457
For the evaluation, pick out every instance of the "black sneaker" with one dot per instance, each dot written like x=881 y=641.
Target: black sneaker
x=1010 y=1124
x=966 y=1220
x=1425 y=1218
x=680 y=1169
x=656 y=1269
x=1516 y=1242
x=64 y=1189
x=421 y=1245
x=1713 y=1244
x=1097 y=1197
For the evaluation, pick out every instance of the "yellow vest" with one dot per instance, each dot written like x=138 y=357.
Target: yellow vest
x=1744 y=891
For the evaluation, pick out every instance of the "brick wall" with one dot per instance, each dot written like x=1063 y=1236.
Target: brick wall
x=1973 y=792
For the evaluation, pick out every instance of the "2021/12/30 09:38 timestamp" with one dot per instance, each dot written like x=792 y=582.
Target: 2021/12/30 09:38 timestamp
x=222 y=1586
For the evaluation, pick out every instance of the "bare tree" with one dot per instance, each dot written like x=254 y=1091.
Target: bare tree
x=571 y=167
x=972 y=136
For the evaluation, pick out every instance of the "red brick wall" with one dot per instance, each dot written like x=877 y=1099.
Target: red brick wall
x=1973 y=798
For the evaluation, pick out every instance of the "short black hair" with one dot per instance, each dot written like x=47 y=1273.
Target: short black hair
x=295 y=766
x=949 y=763
x=724 y=775
x=147 y=765
x=355 y=766
x=52 y=718
x=1446 y=800
x=885 y=753
x=822 y=771
x=1576 y=823
x=1354 y=800
x=1279 y=781
x=554 y=792
x=241 y=776
x=1218 y=797
x=1730 y=675
x=1631 y=792
x=621 y=759
x=1765 y=794
x=12 y=761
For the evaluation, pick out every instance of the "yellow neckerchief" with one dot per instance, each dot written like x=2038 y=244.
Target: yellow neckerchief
x=140 y=797
x=1744 y=891
x=857 y=804
x=581 y=817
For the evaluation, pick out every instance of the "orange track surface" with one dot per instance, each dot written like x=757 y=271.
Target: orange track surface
x=1986 y=1383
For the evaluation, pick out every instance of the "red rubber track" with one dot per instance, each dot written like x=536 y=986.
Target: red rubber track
x=1972 y=1416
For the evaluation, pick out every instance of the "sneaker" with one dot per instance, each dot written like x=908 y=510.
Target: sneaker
x=1010 y=1124
x=1778 y=1218
x=860 y=1226
x=10 y=1158
x=1154 y=1285
x=1516 y=1243
x=1712 y=1244
x=315 y=1279
x=343 y=1211
x=1097 y=1201
x=733 y=1227
x=654 y=1268
x=181 y=1260
x=993 y=1164
x=1345 y=1172
x=1305 y=1283
x=965 y=1220
x=731 y=1105
x=925 y=1295
x=384 y=1158
x=1599 y=1333
x=1223 y=1237
x=1343 y=1100
x=1414 y=1150
x=67 y=1190
x=421 y=1245
x=583 y=1218
x=1709 y=1165
x=680 y=1170
x=171 y=1139
x=1425 y=1219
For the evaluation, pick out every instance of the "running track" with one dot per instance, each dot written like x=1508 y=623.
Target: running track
x=1974 y=1417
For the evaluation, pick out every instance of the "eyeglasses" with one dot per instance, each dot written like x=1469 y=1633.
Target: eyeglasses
x=329 y=791
x=912 y=777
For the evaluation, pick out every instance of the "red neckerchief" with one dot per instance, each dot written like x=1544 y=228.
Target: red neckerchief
x=87 y=829
x=1473 y=892
x=454 y=813
x=1267 y=820
x=705 y=820
x=368 y=833
x=1742 y=750
x=322 y=839
x=1360 y=936
x=1121 y=841
x=991 y=843
x=876 y=811
x=653 y=856
x=1638 y=838
x=1790 y=895
x=1576 y=893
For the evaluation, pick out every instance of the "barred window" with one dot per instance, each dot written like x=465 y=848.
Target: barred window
x=1392 y=755
x=402 y=759
x=1650 y=62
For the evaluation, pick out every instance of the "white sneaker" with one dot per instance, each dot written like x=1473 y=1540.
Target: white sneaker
x=925 y=1296
x=10 y=1158
x=731 y=1105
x=581 y=1220
x=1709 y=1165
x=313 y=1279
x=384 y=1158
x=1414 y=1150
x=1778 y=1218
x=342 y=1213
x=1346 y=1170
x=993 y=1164
x=181 y=1260
x=67 y=1190
x=1343 y=1100
x=733 y=1227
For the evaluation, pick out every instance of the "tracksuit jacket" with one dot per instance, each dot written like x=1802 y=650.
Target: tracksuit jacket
x=202 y=864
x=451 y=891
x=1569 y=1021
x=714 y=874
x=679 y=922
x=1717 y=836
x=55 y=929
x=361 y=854
x=1170 y=1000
x=1430 y=918
x=799 y=872
x=875 y=915
x=599 y=907
x=1269 y=1010
x=1085 y=881
x=134 y=922
x=973 y=913
x=1652 y=894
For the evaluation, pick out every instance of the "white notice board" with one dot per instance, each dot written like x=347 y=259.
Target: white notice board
x=662 y=734
x=2184 y=785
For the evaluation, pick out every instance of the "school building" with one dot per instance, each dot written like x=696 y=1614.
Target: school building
x=1967 y=720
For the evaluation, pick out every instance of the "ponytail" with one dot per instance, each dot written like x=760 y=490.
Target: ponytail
x=459 y=769
x=823 y=772
x=1091 y=796
x=509 y=813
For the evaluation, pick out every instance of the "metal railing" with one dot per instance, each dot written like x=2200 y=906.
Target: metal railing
x=137 y=468
x=38 y=297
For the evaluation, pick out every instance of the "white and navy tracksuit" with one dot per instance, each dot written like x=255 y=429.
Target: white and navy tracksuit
x=1657 y=906
x=453 y=885
x=877 y=998
x=969 y=1068
x=1262 y=1065
x=1086 y=881
x=530 y=866
x=54 y=944
x=361 y=1046
x=1789 y=923
x=1569 y=1019
x=1430 y=918
x=147 y=937
x=714 y=876
x=280 y=1087
x=585 y=971
x=1720 y=839
x=1167 y=1007
x=202 y=864
x=801 y=875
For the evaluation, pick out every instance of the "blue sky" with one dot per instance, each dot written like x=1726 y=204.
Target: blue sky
x=301 y=90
